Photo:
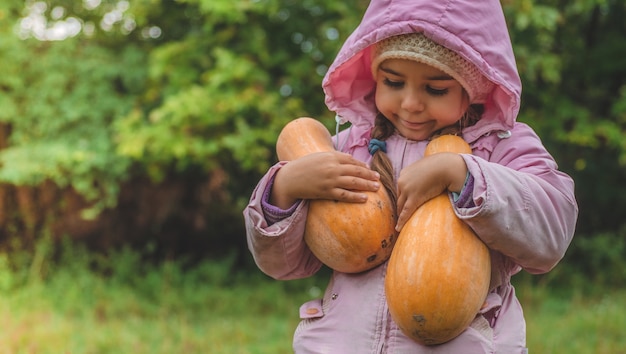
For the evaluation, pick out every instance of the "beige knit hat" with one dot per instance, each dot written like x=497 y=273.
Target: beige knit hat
x=416 y=46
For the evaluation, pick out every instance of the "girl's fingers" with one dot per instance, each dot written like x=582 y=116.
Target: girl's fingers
x=406 y=208
x=344 y=195
x=356 y=168
x=352 y=183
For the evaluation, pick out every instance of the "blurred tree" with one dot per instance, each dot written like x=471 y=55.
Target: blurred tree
x=169 y=90
x=569 y=54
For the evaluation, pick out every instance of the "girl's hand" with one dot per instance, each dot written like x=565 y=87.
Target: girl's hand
x=426 y=179
x=323 y=175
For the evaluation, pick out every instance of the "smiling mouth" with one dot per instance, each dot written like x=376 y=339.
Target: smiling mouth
x=414 y=125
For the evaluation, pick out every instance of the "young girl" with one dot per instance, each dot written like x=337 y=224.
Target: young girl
x=410 y=71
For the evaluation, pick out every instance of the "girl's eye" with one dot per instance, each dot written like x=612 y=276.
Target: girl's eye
x=393 y=84
x=436 y=92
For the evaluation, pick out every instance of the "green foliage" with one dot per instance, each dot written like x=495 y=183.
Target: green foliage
x=225 y=91
x=570 y=59
x=61 y=112
x=165 y=86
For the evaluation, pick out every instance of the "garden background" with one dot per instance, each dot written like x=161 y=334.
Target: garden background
x=132 y=133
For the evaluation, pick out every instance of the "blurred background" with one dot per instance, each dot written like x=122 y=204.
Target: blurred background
x=133 y=132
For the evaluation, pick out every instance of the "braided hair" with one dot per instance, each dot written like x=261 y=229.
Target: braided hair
x=380 y=163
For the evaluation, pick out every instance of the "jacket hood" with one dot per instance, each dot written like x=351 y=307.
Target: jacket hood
x=475 y=29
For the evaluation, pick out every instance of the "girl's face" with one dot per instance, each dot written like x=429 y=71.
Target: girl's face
x=417 y=98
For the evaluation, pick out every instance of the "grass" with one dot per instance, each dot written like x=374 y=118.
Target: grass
x=83 y=303
x=596 y=325
x=561 y=321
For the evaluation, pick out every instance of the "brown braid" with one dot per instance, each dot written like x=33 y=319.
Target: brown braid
x=383 y=129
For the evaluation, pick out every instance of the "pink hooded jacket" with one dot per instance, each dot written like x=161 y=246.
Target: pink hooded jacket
x=524 y=209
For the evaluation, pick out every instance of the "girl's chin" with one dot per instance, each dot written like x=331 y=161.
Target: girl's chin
x=415 y=131
x=415 y=134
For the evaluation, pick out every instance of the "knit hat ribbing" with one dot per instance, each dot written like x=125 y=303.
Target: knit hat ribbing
x=416 y=46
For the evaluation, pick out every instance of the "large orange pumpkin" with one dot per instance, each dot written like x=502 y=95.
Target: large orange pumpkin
x=438 y=275
x=347 y=237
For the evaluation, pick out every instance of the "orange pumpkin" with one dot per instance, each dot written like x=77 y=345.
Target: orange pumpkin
x=438 y=275
x=347 y=237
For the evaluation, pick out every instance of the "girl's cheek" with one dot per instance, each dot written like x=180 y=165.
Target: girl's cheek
x=379 y=99
x=384 y=98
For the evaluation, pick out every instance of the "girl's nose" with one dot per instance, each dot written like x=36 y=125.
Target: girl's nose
x=411 y=102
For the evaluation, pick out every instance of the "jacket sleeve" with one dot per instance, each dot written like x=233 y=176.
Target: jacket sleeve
x=278 y=249
x=525 y=207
